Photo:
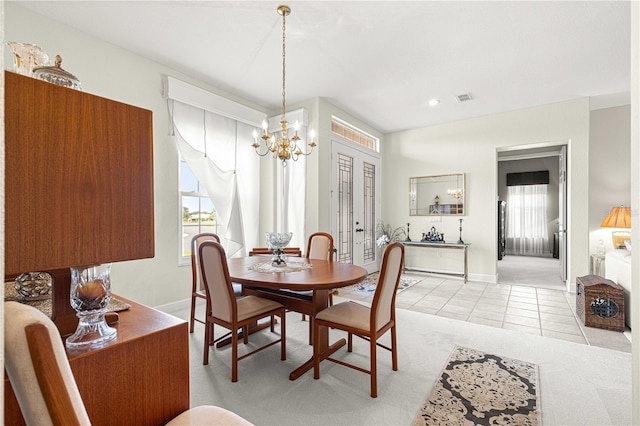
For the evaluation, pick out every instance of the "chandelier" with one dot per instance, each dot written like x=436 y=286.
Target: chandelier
x=455 y=193
x=281 y=146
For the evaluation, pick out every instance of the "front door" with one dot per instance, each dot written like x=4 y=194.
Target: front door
x=355 y=199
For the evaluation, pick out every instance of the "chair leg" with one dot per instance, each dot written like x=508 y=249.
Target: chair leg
x=310 y=330
x=350 y=342
x=283 y=336
x=208 y=331
x=212 y=339
x=193 y=314
x=272 y=323
x=245 y=334
x=374 y=372
x=316 y=351
x=234 y=354
x=394 y=349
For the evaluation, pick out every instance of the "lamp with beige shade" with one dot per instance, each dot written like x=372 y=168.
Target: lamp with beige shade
x=618 y=217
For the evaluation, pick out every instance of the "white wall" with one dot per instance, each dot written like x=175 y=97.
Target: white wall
x=609 y=169
x=471 y=147
x=318 y=215
x=117 y=74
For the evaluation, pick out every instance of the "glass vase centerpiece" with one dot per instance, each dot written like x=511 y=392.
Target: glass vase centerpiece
x=276 y=242
x=90 y=296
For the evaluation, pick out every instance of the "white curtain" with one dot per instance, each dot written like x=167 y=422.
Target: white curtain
x=526 y=225
x=208 y=144
x=291 y=182
x=292 y=212
x=219 y=134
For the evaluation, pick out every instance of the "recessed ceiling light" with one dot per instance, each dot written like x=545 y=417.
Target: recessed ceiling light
x=434 y=102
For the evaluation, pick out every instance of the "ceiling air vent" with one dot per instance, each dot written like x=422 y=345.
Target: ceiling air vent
x=465 y=97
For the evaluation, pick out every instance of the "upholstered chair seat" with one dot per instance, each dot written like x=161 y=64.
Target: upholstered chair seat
x=250 y=306
x=349 y=314
x=208 y=415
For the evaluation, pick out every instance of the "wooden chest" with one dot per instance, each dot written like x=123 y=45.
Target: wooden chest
x=600 y=302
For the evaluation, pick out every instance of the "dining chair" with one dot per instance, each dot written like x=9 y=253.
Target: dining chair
x=369 y=323
x=290 y=251
x=38 y=369
x=225 y=310
x=197 y=287
x=319 y=246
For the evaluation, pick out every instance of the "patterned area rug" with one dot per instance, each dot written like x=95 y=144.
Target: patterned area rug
x=482 y=389
x=369 y=283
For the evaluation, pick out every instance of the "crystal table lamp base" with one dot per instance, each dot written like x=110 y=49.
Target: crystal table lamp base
x=92 y=331
x=90 y=296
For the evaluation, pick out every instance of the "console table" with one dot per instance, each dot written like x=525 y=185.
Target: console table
x=140 y=378
x=442 y=245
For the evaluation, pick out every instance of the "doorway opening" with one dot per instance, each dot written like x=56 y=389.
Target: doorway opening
x=531 y=234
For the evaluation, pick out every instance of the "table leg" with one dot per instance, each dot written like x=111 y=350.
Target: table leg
x=320 y=302
x=466 y=267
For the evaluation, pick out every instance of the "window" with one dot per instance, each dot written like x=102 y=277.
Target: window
x=198 y=213
x=217 y=179
x=220 y=181
x=527 y=220
x=354 y=134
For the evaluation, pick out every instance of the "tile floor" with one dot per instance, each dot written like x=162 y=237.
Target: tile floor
x=527 y=309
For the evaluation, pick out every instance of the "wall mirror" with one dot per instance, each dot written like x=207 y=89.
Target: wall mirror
x=441 y=195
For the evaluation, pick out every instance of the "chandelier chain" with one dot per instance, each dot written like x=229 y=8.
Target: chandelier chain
x=284 y=18
x=280 y=145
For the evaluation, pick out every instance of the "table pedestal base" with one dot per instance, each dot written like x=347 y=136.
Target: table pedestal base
x=295 y=374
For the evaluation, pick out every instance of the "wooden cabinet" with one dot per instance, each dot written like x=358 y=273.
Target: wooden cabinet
x=78 y=183
x=79 y=191
x=140 y=378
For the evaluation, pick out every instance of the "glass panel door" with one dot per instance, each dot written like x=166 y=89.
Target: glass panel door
x=355 y=200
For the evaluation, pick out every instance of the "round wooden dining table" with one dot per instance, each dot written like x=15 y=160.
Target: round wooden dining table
x=301 y=286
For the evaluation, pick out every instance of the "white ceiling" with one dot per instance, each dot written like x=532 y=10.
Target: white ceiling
x=380 y=61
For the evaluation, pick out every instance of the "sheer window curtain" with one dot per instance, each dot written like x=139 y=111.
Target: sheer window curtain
x=527 y=220
x=294 y=190
x=290 y=190
x=211 y=146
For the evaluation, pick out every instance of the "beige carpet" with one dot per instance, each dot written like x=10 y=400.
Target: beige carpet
x=579 y=384
x=482 y=389
x=542 y=272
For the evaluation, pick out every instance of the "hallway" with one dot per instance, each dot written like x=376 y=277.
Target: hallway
x=525 y=308
x=541 y=272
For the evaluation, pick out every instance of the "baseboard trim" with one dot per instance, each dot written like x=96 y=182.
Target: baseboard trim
x=174 y=306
